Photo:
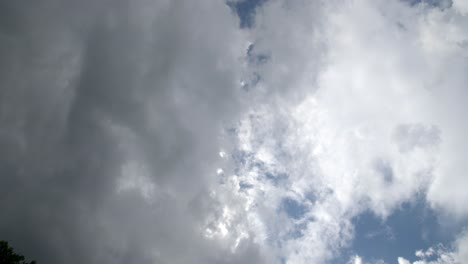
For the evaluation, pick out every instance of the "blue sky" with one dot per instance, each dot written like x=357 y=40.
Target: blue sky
x=412 y=227
x=246 y=11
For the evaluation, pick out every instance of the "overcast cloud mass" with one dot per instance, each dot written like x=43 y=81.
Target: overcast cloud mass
x=234 y=131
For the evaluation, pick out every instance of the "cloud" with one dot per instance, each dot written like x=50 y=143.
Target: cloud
x=111 y=123
x=357 y=260
x=403 y=261
x=160 y=131
x=440 y=254
x=359 y=108
x=461 y=6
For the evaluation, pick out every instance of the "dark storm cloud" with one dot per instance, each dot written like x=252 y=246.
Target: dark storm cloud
x=87 y=87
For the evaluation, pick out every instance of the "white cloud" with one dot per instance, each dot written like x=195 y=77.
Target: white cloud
x=461 y=6
x=356 y=260
x=442 y=255
x=462 y=247
x=362 y=107
x=128 y=123
x=403 y=261
x=359 y=260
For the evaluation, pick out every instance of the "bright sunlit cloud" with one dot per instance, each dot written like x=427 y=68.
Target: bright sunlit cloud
x=237 y=131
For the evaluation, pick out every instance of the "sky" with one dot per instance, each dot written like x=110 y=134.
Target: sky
x=234 y=131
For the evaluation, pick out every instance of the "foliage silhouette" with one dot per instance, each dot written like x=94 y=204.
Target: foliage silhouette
x=8 y=256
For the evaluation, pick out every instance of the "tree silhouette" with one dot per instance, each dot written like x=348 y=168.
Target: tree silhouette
x=8 y=256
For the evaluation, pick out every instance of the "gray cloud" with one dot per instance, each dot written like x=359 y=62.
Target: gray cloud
x=97 y=91
x=410 y=136
x=158 y=131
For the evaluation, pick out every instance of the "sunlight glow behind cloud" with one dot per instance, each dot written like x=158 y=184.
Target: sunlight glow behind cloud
x=158 y=131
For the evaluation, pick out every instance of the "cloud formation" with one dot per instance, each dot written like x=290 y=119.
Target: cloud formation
x=160 y=131
x=442 y=255
x=111 y=123
x=363 y=111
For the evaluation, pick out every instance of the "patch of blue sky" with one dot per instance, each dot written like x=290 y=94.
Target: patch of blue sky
x=298 y=230
x=276 y=178
x=242 y=157
x=412 y=227
x=385 y=169
x=283 y=260
x=294 y=209
x=433 y=3
x=245 y=185
x=246 y=9
x=242 y=160
x=245 y=160
x=314 y=196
